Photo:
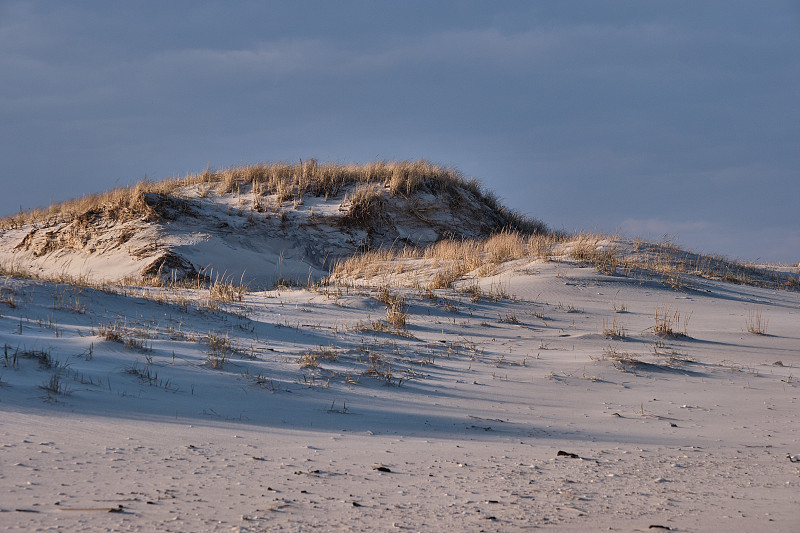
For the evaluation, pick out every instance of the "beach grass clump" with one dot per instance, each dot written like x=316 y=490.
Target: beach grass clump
x=312 y=358
x=378 y=367
x=113 y=331
x=55 y=385
x=221 y=348
x=225 y=290
x=613 y=329
x=396 y=309
x=505 y=246
x=756 y=323
x=448 y=259
x=308 y=360
x=366 y=205
x=668 y=322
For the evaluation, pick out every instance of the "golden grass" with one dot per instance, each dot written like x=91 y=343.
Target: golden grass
x=668 y=321
x=366 y=205
x=613 y=330
x=756 y=323
x=396 y=308
x=222 y=289
x=522 y=237
x=504 y=247
x=451 y=259
x=286 y=181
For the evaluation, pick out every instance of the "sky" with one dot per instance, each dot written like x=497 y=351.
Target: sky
x=677 y=120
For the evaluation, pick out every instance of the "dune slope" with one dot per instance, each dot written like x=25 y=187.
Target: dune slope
x=545 y=395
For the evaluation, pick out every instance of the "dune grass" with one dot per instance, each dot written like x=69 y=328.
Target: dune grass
x=285 y=180
x=368 y=186
x=756 y=323
x=451 y=260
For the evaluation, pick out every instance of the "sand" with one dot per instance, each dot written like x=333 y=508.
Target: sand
x=513 y=412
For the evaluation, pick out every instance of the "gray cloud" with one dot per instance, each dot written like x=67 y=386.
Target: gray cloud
x=585 y=116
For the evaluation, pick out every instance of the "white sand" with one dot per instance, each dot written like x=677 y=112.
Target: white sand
x=698 y=435
x=221 y=236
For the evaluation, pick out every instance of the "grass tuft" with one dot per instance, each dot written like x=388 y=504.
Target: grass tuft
x=668 y=322
x=55 y=385
x=614 y=330
x=756 y=323
x=221 y=348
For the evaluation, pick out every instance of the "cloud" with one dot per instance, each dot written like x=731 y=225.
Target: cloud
x=580 y=115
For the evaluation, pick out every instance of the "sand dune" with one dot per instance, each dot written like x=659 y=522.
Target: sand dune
x=537 y=391
x=468 y=408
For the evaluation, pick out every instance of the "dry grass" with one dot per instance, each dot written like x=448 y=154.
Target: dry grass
x=55 y=385
x=286 y=181
x=613 y=330
x=308 y=360
x=510 y=318
x=504 y=247
x=396 y=308
x=366 y=205
x=222 y=289
x=519 y=236
x=662 y=260
x=130 y=338
x=378 y=367
x=675 y=266
x=598 y=251
x=397 y=318
x=451 y=259
x=668 y=322
x=612 y=354
x=756 y=323
x=312 y=358
x=221 y=349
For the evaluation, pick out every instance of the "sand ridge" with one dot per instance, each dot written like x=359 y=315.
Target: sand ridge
x=454 y=421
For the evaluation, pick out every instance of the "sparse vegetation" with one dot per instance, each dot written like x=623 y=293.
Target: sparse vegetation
x=221 y=348
x=444 y=263
x=614 y=329
x=668 y=322
x=55 y=385
x=308 y=360
x=312 y=358
x=613 y=354
x=378 y=367
x=396 y=308
x=510 y=318
x=155 y=200
x=113 y=332
x=130 y=338
x=366 y=205
x=42 y=357
x=474 y=292
x=7 y=298
x=756 y=323
x=397 y=318
x=147 y=375
x=371 y=185
x=449 y=259
x=223 y=289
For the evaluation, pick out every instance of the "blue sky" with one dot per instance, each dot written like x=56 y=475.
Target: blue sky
x=647 y=118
